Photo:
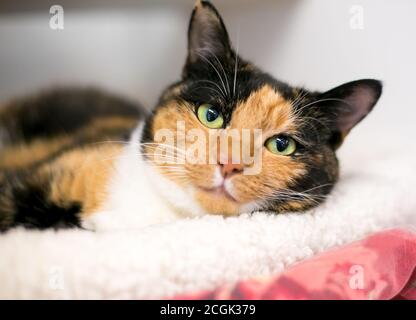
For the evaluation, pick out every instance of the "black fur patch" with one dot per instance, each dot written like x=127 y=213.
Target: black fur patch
x=33 y=210
x=25 y=203
x=61 y=111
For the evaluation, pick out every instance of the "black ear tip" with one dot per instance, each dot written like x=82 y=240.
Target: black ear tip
x=376 y=86
x=203 y=4
x=206 y=5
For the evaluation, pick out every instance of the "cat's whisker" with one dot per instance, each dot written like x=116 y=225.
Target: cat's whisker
x=173 y=172
x=168 y=169
x=309 y=124
x=213 y=89
x=166 y=161
x=115 y=158
x=156 y=145
x=287 y=194
x=157 y=151
x=223 y=70
x=292 y=192
x=124 y=143
x=168 y=153
x=110 y=142
x=299 y=98
x=173 y=159
x=223 y=94
x=139 y=155
x=320 y=186
x=321 y=122
x=236 y=62
x=296 y=195
x=160 y=155
x=162 y=160
x=293 y=197
x=324 y=100
x=215 y=69
x=177 y=173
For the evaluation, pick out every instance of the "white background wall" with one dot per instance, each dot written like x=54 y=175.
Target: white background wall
x=137 y=47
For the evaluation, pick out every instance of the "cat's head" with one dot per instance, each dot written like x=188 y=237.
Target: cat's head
x=291 y=165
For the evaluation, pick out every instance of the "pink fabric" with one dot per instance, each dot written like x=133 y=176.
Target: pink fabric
x=381 y=266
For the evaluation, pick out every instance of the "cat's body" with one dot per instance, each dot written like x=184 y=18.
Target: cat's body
x=85 y=158
x=88 y=175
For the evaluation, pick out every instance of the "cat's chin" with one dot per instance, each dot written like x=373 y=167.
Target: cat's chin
x=217 y=201
x=194 y=200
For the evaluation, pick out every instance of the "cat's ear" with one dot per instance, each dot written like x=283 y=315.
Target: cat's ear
x=347 y=104
x=207 y=35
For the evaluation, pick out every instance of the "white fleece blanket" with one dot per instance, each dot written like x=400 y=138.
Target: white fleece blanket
x=376 y=191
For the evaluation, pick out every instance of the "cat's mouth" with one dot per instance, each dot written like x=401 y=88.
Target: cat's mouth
x=218 y=199
x=220 y=191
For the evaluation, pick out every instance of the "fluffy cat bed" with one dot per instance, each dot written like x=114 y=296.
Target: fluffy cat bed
x=374 y=193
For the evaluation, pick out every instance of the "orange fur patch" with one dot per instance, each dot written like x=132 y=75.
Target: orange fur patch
x=264 y=109
x=82 y=175
x=23 y=155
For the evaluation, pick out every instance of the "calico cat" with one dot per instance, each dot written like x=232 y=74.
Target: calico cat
x=83 y=158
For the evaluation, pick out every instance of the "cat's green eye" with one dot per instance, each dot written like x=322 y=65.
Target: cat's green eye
x=210 y=116
x=281 y=145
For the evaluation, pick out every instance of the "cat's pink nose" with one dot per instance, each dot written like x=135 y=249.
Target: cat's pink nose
x=230 y=169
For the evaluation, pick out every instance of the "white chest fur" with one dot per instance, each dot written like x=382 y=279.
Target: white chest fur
x=139 y=195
